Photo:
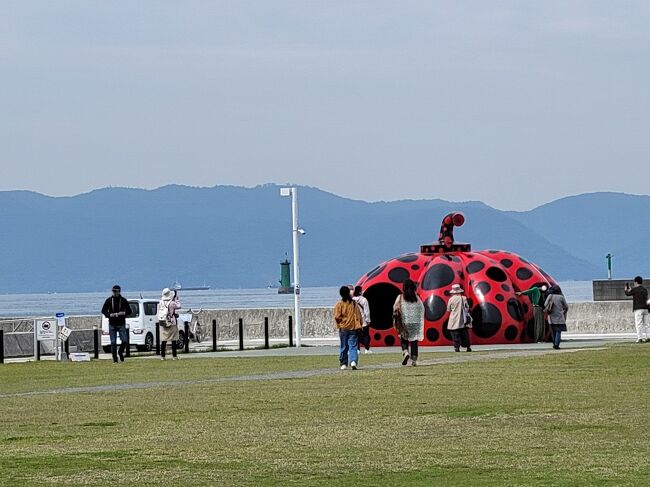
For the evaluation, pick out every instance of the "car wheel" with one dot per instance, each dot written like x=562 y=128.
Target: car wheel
x=148 y=344
x=181 y=340
x=106 y=348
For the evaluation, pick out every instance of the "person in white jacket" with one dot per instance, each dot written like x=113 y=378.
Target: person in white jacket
x=365 y=318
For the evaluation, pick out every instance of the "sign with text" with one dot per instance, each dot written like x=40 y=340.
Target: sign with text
x=45 y=330
x=64 y=333
x=80 y=357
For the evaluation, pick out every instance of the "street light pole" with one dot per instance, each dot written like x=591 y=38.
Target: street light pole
x=296 y=231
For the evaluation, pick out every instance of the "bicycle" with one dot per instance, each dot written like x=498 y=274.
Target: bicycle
x=197 y=333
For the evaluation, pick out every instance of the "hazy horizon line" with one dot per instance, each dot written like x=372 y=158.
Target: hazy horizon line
x=348 y=197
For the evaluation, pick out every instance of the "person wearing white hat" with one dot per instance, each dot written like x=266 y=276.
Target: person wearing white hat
x=167 y=318
x=460 y=319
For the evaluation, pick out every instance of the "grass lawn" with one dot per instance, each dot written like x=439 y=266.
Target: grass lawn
x=561 y=419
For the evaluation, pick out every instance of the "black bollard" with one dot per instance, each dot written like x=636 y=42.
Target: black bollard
x=214 y=335
x=66 y=348
x=290 y=331
x=187 y=337
x=266 y=333
x=38 y=350
x=95 y=343
x=2 y=346
x=241 y=334
x=158 y=338
x=128 y=341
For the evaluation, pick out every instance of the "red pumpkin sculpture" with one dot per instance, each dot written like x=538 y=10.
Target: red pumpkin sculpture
x=490 y=278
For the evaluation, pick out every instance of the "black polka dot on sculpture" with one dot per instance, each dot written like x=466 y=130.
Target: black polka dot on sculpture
x=474 y=267
x=377 y=336
x=432 y=335
x=434 y=308
x=530 y=328
x=438 y=276
x=549 y=278
x=524 y=274
x=511 y=333
x=505 y=287
x=445 y=330
x=499 y=297
x=415 y=267
x=496 y=274
x=389 y=341
x=487 y=320
x=507 y=263
x=398 y=275
x=408 y=258
x=514 y=309
x=482 y=288
x=451 y=258
x=376 y=271
x=525 y=307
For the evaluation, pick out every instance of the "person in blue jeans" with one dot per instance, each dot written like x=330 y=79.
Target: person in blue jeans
x=347 y=316
x=117 y=309
x=557 y=308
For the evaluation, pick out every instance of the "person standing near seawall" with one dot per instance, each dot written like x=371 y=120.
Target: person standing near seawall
x=556 y=308
x=411 y=309
x=117 y=309
x=365 y=317
x=537 y=300
x=167 y=308
x=459 y=320
x=640 y=308
x=347 y=316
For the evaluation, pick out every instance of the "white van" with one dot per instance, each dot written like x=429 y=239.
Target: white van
x=142 y=326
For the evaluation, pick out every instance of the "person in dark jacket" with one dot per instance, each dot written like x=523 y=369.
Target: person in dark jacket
x=117 y=309
x=640 y=304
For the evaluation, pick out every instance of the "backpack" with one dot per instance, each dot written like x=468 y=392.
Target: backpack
x=162 y=311
x=466 y=315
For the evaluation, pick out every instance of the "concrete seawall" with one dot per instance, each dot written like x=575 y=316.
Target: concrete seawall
x=584 y=318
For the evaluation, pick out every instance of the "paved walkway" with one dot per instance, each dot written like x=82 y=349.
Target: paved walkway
x=493 y=354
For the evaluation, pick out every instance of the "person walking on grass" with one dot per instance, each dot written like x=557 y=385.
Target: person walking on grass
x=365 y=318
x=410 y=309
x=460 y=320
x=347 y=316
x=117 y=309
x=640 y=307
x=537 y=299
x=556 y=308
x=168 y=318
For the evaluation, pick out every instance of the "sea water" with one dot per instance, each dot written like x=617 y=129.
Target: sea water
x=18 y=305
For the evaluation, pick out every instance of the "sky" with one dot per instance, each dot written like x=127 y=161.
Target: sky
x=514 y=103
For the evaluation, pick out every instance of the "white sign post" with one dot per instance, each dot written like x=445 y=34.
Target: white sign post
x=60 y=320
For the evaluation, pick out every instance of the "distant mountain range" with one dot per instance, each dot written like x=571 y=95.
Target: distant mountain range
x=233 y=237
